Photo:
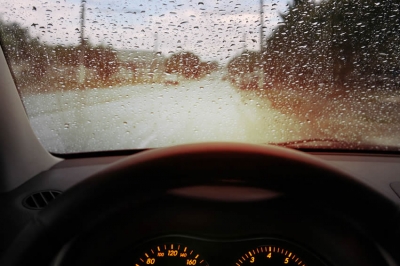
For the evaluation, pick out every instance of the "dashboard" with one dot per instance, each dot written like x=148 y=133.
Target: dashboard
x=262 y=251
x=178 y=250
x=266 y=229
x=225 y=224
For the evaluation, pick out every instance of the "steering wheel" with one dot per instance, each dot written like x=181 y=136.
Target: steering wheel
x=154 y=172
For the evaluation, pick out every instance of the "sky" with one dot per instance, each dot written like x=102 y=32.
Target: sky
x=212 y=29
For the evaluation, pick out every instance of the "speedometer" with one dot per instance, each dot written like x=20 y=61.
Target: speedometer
x=171 y=254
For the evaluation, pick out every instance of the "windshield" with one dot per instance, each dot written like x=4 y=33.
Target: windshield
x=111 y=75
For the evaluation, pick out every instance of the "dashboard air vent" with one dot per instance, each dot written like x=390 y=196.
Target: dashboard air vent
x=39 y=200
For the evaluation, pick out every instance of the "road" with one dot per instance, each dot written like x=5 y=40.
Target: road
x=156 y=115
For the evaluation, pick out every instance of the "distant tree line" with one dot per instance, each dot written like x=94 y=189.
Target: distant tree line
x=54 y=66
x=34 y=58
x=340 y=44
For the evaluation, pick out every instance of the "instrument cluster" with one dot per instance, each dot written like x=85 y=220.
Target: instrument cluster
x=192 y=251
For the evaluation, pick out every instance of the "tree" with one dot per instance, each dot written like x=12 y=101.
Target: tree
x=244 y=70
x=208 y=67
x=16 y=41
x=23 y=50
x=335 y=42
x=186 y=64
x=103 y=59
x=247 y=62
x=66 y=55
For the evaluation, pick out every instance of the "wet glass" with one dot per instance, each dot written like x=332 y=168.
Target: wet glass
x=116 y=75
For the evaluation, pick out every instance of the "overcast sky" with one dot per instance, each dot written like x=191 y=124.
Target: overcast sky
x=213 y=29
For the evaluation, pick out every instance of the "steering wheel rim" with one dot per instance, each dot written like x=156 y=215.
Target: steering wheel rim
x=142 y=175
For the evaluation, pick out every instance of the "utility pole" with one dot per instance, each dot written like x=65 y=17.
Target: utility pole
x=261 y=78
x=82 y=44
x=82 y=22
x=155 y=61
x=244 y=39
x=261 y=26
x=155 y=42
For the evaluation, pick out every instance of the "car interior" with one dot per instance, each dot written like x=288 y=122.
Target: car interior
x=219 y=202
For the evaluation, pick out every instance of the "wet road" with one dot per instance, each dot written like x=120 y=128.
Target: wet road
x=155 y=115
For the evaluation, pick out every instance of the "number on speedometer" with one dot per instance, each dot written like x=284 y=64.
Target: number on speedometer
x=171 y=254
